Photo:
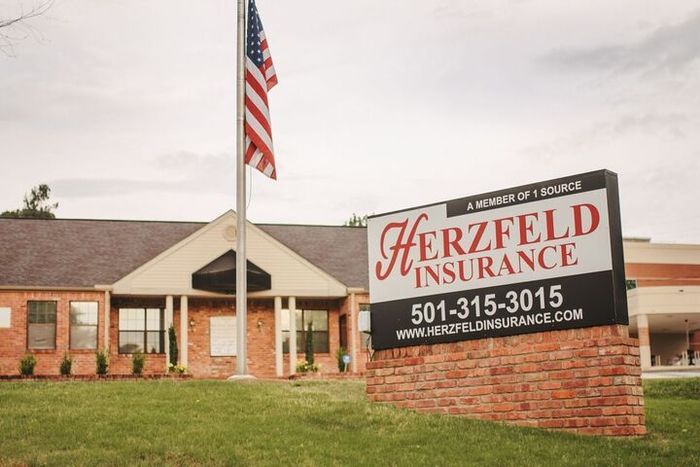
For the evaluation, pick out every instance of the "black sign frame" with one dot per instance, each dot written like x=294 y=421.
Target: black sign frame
x=603 y=294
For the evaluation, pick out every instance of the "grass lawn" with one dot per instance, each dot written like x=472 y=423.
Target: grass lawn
x=308 y=423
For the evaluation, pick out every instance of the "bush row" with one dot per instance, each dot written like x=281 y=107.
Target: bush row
x=138 y=361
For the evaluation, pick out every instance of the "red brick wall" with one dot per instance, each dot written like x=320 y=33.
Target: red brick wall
x=13 y=340
x=650 y=275
x=582 y=380
x=261 y=338
x=121 y=364
x=261 y=335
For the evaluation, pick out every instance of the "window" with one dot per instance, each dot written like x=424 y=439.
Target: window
x=41 y=325
x=365 y=337
x=319 y=325
x=141 y=330
x=83 y=325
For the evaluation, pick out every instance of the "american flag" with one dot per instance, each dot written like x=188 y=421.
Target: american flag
x=260 y=77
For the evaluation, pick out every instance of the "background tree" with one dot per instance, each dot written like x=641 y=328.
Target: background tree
x=36 y=204
x=356 y=221
x=14 y=26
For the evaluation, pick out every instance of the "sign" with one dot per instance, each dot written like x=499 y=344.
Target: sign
x=5 y=314
x=222 y=336
x=527 y=259
x=346 y=359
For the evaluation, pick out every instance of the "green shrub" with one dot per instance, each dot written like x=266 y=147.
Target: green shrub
x=66 y=365
x=306 y=367
x=177 y=369
x=27 y=364
x=172 y=339
x=138 y=360
x=309 y=347
x=339 y=354
x=102 y=361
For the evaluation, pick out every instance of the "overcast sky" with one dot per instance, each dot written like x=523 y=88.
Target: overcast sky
x=127 y=108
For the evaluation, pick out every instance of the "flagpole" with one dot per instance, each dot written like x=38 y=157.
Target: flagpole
x=241 y=269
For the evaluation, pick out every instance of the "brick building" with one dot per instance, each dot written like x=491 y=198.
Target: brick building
x=75 y=286
x=664 y=303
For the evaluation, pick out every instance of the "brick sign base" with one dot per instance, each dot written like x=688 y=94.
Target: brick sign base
x=582 y=380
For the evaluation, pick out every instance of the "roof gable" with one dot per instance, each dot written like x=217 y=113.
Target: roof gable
x=170 y=272
x=340 y=251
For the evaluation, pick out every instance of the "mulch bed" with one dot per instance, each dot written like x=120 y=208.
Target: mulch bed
x=327 y=376
x=298 y=376
x=89 y=377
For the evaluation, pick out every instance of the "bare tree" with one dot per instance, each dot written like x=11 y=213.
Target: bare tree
x=16 y=27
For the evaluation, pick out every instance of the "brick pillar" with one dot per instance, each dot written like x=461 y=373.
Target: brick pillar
x=644 y=341
x=583 y=380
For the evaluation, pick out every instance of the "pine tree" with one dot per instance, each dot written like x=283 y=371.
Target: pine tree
x=172 y=338
x=310 y=345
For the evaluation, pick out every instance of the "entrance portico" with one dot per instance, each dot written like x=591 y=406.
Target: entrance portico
x=193 y=282
x=667 y=322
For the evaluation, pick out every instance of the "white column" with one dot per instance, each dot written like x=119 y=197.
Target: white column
x=644 y=341
x=279 y=360
x=354 y=333
x=168 y=321
x=184 y=329
x=108 y=310
x=292 y=335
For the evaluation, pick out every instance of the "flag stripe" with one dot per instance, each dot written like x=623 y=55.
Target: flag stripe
x=258 y=136
x=256 y=119
x=260 y=77
x=257 y=83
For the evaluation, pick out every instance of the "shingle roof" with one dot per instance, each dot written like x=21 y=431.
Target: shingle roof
x=340 y=251
x=81 y=253
x=85 y=253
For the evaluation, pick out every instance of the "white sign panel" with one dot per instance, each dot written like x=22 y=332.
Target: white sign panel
x=222 y=336
x=422 y=251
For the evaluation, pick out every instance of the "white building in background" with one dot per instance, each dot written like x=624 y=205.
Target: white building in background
x=664 y=303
